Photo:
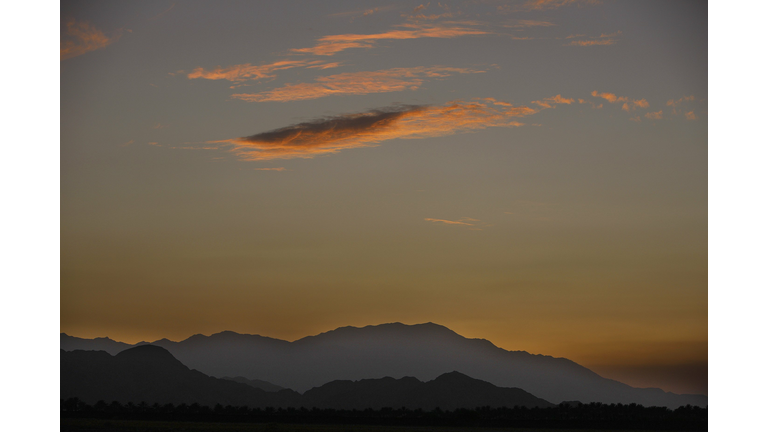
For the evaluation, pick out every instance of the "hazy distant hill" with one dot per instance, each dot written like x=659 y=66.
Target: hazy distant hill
x=71 y=343
x=423 y=351
x=448 y=391
x=151 y=374
x=259 y=384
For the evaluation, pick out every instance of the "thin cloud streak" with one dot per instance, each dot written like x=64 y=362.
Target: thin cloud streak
x=532 y=23
x=83 y=38
x=356 y=83
x=330 y=45
x=591 y=42
x=555 y=4
x=450 y=222
x=333 y=134
x=629 y=104
x=674 y=103
x=551 y=102
x=610 y=97
x=365 y=12
x=246 y=72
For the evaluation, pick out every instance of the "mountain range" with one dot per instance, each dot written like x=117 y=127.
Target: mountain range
x=422 y=351
x=151 y=374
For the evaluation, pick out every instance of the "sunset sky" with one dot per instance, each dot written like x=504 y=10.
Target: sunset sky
x=533 y=173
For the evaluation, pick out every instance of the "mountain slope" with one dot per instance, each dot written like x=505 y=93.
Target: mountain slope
x=448 y=392
x=151 y=374
x=423 y=351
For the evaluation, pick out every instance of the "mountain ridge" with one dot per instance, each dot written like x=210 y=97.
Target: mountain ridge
x=397 y=350
x=151 y=374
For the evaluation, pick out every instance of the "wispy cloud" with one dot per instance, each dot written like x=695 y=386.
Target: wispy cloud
x=554 y=4
x=356 y=83
x=81 y=37
x=330 y=45
x=550 y=102
x=364 y=12
x=642 y=103
x=690 y=116
x=595 y=42
x=463 y=221
x=627 y=105
x=594 y=105
x=528 y=23
x=333 y=134
x=653 y=115
x=675 y=103
x=418 y=14
x=610 y=97
x=325 y=66
x=246 y=72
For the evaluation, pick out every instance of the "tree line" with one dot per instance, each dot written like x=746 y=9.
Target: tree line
x=565 y=415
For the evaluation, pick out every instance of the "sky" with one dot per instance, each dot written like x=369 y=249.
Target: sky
x=533 y=173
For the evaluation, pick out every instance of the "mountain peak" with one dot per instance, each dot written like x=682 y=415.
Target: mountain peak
x=148 y=353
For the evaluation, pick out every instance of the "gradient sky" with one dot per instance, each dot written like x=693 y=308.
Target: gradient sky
x=533 y=173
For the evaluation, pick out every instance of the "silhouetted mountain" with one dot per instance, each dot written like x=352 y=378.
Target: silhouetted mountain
x=448 y=392
x=71 y=343
x=259 y=384
x=151 y=374
x=423 y=351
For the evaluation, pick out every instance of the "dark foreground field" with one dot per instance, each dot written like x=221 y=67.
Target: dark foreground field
x=91 y=425
x=78 y=416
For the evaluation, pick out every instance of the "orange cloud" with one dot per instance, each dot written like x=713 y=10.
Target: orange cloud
x=245 y=72
x=554 y=4
x=82 y=38
x=325 y=66
x=333 y=134
x=361 y=13
x=548 y=102
x=629 y=104
x=450 y=222
x=331 y=48
x=654 y=115
x=642 y=103
x=674 y=103
x=329 y=45
x=582 y=101
x=690 y=116
x=591 y=42
x=530 y=23
x=610 y=97
x=355 y=83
